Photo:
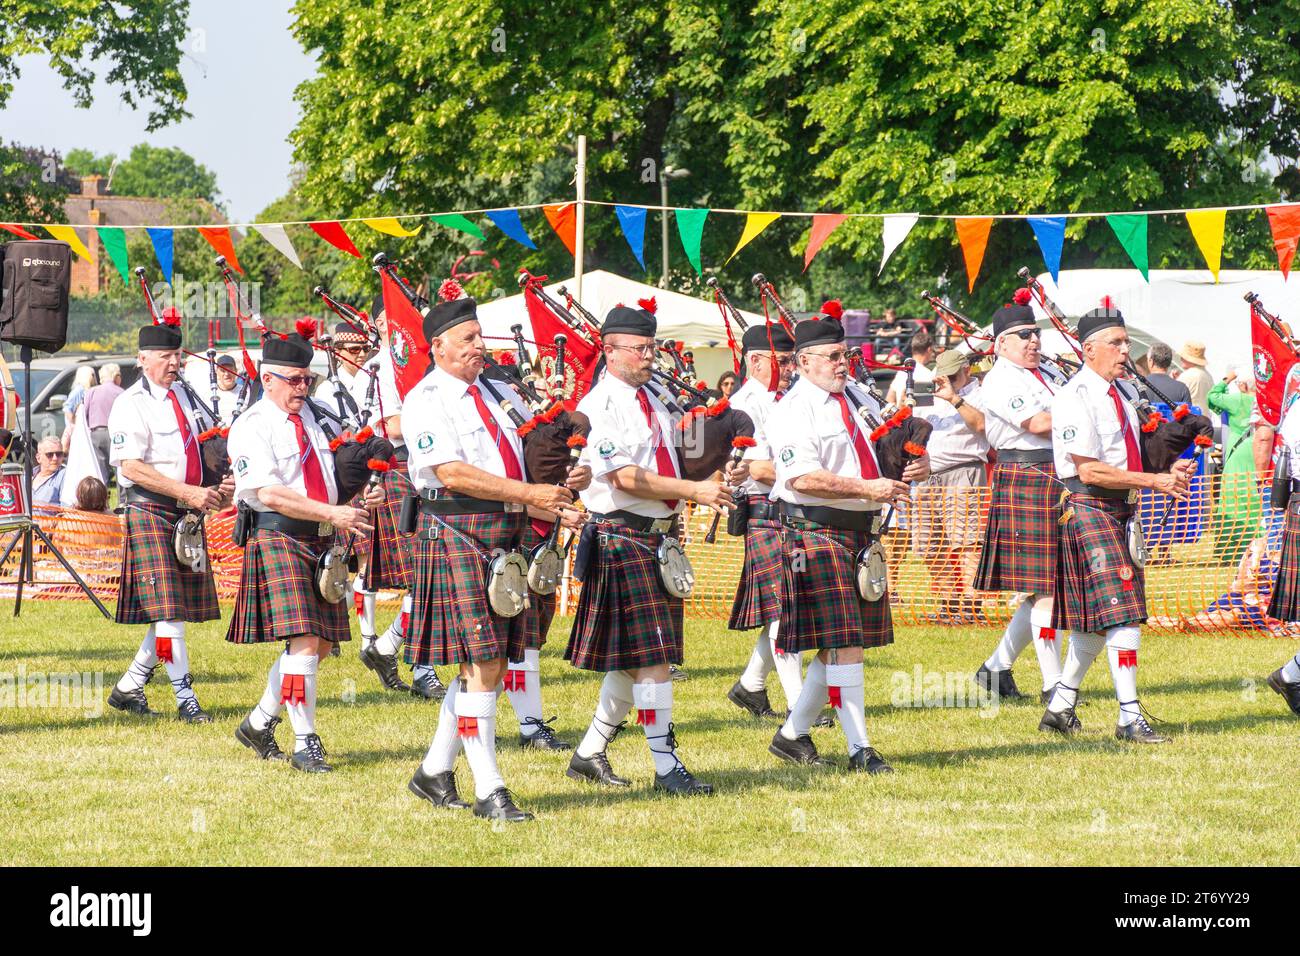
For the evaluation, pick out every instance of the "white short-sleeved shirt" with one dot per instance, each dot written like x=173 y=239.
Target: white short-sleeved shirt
x=444 y=425
x=1010 y=395
x=325 y=388
x=921 y=374
x=757 y=402
x=142 y=427
x=806 y=433
x=1084 y=422
x=620 y=437
x=952 y=442
x=386 y=395
x=263 y=446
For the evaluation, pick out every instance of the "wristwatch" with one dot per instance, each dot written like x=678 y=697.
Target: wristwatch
x=959 y=402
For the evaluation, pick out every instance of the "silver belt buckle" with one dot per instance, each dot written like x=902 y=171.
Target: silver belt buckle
x=324 y=529
x=1133 y=496
x=661 y=526
x=513 y=507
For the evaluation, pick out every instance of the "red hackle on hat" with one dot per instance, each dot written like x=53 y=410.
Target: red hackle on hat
x=834 y=308
x=650 y=305
x=306 y=327
x=450 y=290
x=1107 y=302
x=170 y=316
x=1022 y=296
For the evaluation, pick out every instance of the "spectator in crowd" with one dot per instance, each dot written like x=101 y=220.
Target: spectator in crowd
x=1237 y=512
x=923 y=351
x=727 y=383
x=81 y=383
x=946 y=525
x=91 y=527
x=1194 y=376
x=229 y=382
x=1160 y=357
x=99 y=402
x=47 y=483
x=1245 y=604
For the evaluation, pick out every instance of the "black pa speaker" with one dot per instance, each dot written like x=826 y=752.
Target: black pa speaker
x=35 y=279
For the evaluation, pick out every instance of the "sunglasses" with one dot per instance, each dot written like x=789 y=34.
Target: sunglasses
x=833 y=357
x=645 y=351
x=294 y=381
x=1025 y=335
x=52 y=454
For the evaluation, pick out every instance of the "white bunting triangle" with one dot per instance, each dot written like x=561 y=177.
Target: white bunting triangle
x=896 y=227
x=277 y=237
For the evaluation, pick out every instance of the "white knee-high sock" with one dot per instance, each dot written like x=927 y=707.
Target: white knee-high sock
x=1047 y=642
x=1291 y=670
x=142 y=665
x=1083 y=650
x=789 y=667
x=391 y=640
x=1122 y=652
x=269 y=706
x=298 y=694
x=615 y=701
x=1015 y=639
x=446 y=741
x=809 y=703
x=654 y=712
x=477 y=725
x=844 y=685
x=365 y=605
x=524 y=691
x=178 y=666
x=760 y=664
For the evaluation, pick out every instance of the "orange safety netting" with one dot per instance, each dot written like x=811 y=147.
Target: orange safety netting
x=1212 y=569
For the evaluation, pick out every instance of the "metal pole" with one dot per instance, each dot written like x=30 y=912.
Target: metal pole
x=581 y=179
x=663 y=222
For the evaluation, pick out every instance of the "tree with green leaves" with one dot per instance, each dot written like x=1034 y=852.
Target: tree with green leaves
x=152 y=171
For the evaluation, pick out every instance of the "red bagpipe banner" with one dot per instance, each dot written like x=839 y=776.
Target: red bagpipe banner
x=406 y=342
x=580 y=356
x=1271 y=359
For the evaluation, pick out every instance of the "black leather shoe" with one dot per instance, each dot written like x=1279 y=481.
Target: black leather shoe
x=680 y=782
x=595 y=769
x=438 y=788
x=801 y=750
x=1139 y=732
x=385 y=667
x=311 y=759
x=542 y=738
x=131 y=701
x=867 y=760
x=999 y=683
x=1064 y=723
x=262 y=742
x=428 y=687
x=1045 y=696
x=676 y=673
x=754 y=701
x=499 y=805
x=1290 y=690
x=190 y=712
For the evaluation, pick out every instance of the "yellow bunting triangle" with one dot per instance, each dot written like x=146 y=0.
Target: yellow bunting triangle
x=69 y=235
x=1207 y=230
x=389 y=226
x=755 y=223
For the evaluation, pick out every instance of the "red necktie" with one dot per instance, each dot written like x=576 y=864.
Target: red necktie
x=780 y=394
x=1039 y=375
x=503 y=443
x=663 y=457
x=1130 y=440
x=193 y=467
x=312 y=476
x=866 y=464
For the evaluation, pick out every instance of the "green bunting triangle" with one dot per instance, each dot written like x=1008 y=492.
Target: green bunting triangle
x=1131 y=231
x=453 y=220
x=690 y=227
x=114 y=241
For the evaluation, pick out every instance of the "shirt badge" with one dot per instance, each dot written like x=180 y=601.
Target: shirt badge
x=119 y=438
x=1017 y=403
x=1068 y=433
x=425 y=441
x=241 y=465
x=787 y=454
x=605 y=449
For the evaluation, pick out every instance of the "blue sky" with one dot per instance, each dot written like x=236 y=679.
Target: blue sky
x=241 y=66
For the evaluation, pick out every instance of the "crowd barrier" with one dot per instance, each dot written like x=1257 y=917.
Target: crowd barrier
x=1213 y=562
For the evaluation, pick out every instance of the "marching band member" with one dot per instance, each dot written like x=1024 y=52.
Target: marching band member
x=154 y=444
x=466 y=461
x=1099 y=588
x=829 y=486
x=352 y=347
x=287 y=489
x=1284 y=605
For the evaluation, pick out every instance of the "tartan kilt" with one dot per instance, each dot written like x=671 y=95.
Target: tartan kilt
x=391 y=554
x=540 y=606
x=1284 y=605
x=1020 y=541
x=758 y=593
x=451 y=621
x=1091 y=558
x=820 y=604
x=154 y=585
x=276 y=600
x=625 y=619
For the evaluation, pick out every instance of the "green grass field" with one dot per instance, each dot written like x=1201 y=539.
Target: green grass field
x=972 y=787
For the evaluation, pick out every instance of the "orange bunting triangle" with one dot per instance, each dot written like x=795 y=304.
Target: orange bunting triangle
x=219 y=239
x=822 y=227
x=973 y=234
x=563 y=221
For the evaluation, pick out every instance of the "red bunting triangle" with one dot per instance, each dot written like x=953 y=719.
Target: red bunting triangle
x=333 y=233
x=18 y=231
x=219 y=239
x=822 y=227
x=563 y=221
x=973 y=234
x=1285 y=223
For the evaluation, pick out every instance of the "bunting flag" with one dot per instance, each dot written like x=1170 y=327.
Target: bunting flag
x=219 y=239
x=454 y=220
x=1049 y=233
x=507 y=220
x=755 y=222
x=18 y=231
x=280 y=242
x=1207 y=230
x=973 y=234
x=564 y=222
x=406 y=342
x=822 y=227
x=69 y=235
x=1131 y=231
x=632 y=220
x=114 y=242
x=390 y=226
x=162 y=249
x=894 y=229
x=1284 y=221
x=332 y=232
x=1271 y=361
x=690 y=229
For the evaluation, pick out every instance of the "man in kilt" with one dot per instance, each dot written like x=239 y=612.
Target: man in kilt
x=466 y=461
x=829 y=485
x=1019 y=551
x=1099 y=589
x=1284 y=605
x=628 y=626
x=287 y=491
x=154 y=444
x=758 y=593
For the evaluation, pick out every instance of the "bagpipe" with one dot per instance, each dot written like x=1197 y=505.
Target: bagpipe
x=961 y=325
x=729 y=314
x=708 y=426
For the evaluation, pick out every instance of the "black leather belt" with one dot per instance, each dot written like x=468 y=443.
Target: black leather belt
x=642 y=523
x=400 y=453
x=99 y=428
x=1079 y=488
x=296 y=527
x=1024 y=456
x=135 y=495
x=441 y=503
x=764 y=509
x=826 y=517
